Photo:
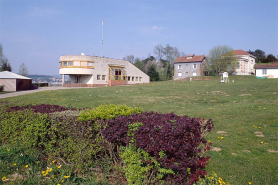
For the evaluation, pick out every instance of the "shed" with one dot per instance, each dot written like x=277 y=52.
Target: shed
x=267 y=70
x=14 y=82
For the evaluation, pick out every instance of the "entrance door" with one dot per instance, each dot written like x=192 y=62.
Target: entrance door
x=77 y=79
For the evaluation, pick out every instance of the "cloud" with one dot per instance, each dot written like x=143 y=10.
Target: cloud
x=157 y=28
x=42 y=12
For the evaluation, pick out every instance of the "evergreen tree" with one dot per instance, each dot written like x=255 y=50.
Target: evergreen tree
x=153 y=74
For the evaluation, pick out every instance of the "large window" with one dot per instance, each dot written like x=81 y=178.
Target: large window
x=117 y=73
x=194 y=66
x=103 y=77
x=98 y=77
x=179 y=66
x=179 y=74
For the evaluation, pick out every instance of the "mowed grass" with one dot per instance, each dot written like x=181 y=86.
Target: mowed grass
x=239 y=109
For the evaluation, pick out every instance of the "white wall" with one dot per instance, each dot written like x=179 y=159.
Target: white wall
x=274 y=72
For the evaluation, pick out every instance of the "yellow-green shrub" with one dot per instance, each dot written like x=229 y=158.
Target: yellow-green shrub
x=105 y=112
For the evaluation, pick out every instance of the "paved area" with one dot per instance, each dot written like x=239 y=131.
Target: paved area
x=18 y=93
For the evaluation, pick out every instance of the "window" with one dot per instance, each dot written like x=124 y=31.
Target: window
x=103 y=77
x=194 y=66
x=128 y=78
x=179 y=66
x=179 y=74
x=90 y=64
x=70 y=63
x=65 y=63
x=76 y=63
x=61 y=63
x=264 y=71
x=133 y=78
x=186 y=65
x=140 y=79
x=98 y=77
x=136 y=79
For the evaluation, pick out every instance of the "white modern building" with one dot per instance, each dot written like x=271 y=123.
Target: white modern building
x=93 y=71
x=246 y=62
x=267 y=70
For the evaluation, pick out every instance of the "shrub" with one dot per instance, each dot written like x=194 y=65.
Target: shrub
x=108 y=112
x=1 y=88
x=24 y=128
x=42 y=108
x=176 y=142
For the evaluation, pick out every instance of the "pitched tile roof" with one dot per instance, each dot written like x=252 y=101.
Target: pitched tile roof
x=238 y=52
x=266 y=66
x=198 y=58
x=10 y=75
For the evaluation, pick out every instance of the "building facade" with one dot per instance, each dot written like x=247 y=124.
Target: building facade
x=267 y=70
x=188 y=66
x=246 y=63
x=93 y=71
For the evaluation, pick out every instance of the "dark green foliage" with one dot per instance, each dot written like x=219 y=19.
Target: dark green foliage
x=153 y=74
x=1 y=88
x=5 y=65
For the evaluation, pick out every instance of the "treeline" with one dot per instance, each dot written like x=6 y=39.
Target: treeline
x=161 y=67
x=261 y=57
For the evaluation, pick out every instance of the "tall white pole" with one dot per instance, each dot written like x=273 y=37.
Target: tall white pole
x=102 y=40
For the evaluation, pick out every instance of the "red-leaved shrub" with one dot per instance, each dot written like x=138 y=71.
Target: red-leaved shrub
x=181 y=138
x=42 y=108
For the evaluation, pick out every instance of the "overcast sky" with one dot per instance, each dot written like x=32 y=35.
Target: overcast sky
x=38 y=32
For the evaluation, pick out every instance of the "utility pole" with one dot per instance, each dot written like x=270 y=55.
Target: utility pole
x=102 y=40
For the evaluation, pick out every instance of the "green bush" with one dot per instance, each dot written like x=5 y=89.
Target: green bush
x=105 y=112
x=1 y=88
x=139 y=167
x=24 y=128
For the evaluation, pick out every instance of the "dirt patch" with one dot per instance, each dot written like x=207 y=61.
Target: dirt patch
x=234 y=154
x=248 y=151
x=221 y=132
x=272 y=151
x=245 y=95
x=259 y=134
x=216 y=149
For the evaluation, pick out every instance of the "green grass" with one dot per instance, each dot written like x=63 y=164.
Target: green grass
x=234 y=108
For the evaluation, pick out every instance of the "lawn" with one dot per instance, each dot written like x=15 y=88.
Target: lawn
x=245 y=116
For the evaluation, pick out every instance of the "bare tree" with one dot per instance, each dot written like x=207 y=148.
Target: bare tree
x=23 y=70
x=159 y=51
x=130 y=58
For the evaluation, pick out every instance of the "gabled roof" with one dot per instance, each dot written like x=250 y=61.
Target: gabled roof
x=266 y=66
x=10 y=75
x=239 y=52
x=198 y=58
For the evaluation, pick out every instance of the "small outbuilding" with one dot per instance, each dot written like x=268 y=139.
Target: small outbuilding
x=267 y=70
x=14 y=82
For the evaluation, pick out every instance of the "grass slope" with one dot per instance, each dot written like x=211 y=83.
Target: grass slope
x=240 y=109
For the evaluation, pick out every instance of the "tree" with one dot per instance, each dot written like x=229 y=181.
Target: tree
x=222 y=58
x=259 y=54
x=130 y=58
x=23 y=70
x=4 y=62
x=270 y=59
x=159 y=51
x=153 y=74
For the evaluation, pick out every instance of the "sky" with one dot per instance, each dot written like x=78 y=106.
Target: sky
x=38 y=32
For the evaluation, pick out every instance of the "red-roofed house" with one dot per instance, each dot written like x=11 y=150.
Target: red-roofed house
x=246 y=62
x=267 y=70
x=189 y=65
